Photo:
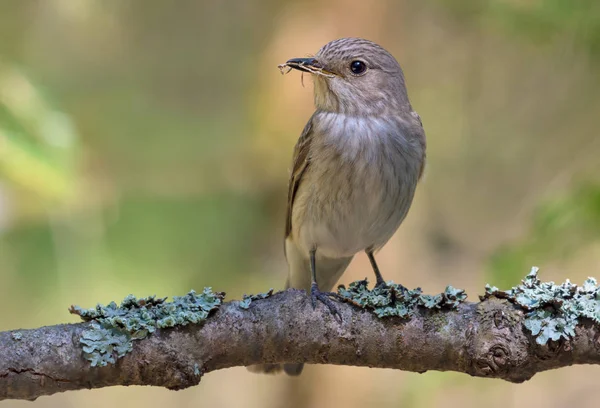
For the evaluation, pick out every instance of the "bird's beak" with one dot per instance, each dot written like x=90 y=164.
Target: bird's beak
x=310 y=65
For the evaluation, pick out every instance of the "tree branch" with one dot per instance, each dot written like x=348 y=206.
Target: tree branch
x=485 y=339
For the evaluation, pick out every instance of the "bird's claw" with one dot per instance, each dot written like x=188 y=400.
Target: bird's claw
x=325 y=298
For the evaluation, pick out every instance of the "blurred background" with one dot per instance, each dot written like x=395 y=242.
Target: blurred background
x=145 y=147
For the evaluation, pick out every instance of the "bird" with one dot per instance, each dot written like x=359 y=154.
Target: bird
x=355 y=168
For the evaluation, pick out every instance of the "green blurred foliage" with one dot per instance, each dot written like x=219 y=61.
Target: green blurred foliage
x=38 y=142
x=553 y=20
x=560 y=227
x=543 y=22
x=161 y=236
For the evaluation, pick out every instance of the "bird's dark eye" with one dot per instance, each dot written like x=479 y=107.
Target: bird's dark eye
x=358 y=67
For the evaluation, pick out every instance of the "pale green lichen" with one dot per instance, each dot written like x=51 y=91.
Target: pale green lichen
x=552 y=311
x=113 y=328
x=103 y=345
x=17 y=336
x=247 y=299
x=393 y=300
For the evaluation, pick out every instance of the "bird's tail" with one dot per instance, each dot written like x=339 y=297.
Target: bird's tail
x=329 y=270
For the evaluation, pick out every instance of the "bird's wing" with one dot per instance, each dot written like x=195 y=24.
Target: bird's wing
x=300 y=164
x=420 y=132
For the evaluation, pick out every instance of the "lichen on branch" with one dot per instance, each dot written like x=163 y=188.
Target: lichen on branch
x=248 y=299
x=114 y=328
x=552 y=311
x=392 y=299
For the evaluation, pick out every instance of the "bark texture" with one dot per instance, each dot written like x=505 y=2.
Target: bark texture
x=485 y=339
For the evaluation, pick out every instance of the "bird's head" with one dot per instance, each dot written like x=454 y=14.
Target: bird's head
x=356 y=77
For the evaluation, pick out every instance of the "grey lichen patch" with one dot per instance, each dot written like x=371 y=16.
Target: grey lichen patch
x=16 y=336
x=247 y=299
x=394 y=300
x=552 y=311
x=113 y=328
x=102 y=344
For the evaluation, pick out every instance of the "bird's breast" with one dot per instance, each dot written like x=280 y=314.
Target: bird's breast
x=359 y=185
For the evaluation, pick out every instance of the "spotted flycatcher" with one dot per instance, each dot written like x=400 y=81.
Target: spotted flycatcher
x=355 y=167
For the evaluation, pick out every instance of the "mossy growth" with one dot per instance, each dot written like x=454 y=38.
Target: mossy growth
x=394 y=300
x=552 y=311
x=114 y=328
x=247 y=299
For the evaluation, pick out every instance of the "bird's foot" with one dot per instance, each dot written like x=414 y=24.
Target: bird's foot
x=325 y=298
x=381 y=284
x=401 y=289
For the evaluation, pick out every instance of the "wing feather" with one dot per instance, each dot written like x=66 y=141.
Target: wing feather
x=301 y=162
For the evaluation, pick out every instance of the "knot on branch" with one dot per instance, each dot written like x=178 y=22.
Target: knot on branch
x=497 y=345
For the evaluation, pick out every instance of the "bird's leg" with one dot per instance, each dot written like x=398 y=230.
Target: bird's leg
x=315 y=293
x=380 y=281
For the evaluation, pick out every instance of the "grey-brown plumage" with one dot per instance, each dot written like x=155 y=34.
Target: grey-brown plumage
x=355 y=166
